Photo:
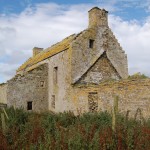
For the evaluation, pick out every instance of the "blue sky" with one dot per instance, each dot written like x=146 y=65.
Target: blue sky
x=127 y=9
x=28 y=23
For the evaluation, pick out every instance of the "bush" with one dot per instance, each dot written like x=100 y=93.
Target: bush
x=138 y=76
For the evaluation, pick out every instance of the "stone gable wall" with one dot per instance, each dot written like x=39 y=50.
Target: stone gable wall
x=101 y=71
x=115 y=53
x=32 y=86
x=83 y=57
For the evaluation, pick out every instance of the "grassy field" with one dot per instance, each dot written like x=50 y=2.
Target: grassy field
x=65 y=131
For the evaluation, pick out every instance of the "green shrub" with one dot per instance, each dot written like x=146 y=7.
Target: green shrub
x=138 y=76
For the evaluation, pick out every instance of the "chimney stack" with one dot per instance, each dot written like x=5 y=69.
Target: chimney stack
x=36 y=51
x=98 y=17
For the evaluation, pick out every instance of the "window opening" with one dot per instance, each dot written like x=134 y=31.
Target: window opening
x=91 y=43
x=55 y=75
x=93 y=101
x=53 y=101
x=29 y=105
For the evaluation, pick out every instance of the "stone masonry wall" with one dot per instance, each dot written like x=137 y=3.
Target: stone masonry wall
x=3 y=93
x=31 y=87
x=134 y=96
x=101 y=71
x=83 y=57
x=59 y=82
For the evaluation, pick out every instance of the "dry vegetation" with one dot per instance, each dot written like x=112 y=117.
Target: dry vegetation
x=65 y=131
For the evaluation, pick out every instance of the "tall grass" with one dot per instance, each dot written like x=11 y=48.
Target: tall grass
x=65 y=131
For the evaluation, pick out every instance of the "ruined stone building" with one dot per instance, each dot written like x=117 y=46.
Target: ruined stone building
x=75 y=74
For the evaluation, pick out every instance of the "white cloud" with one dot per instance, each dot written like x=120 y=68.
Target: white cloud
x=41 y=26
x=46 y=24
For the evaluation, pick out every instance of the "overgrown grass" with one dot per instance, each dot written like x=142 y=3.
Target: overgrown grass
x=66 y=131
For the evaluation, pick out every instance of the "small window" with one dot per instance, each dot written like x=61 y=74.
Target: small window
x=55 y=75
x=91 y=43
x=29 y=105
x=42 y=83
x=53 y=101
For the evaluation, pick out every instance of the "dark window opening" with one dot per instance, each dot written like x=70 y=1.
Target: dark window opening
x=91 y=43
x=29 y=105
x=55 y=75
